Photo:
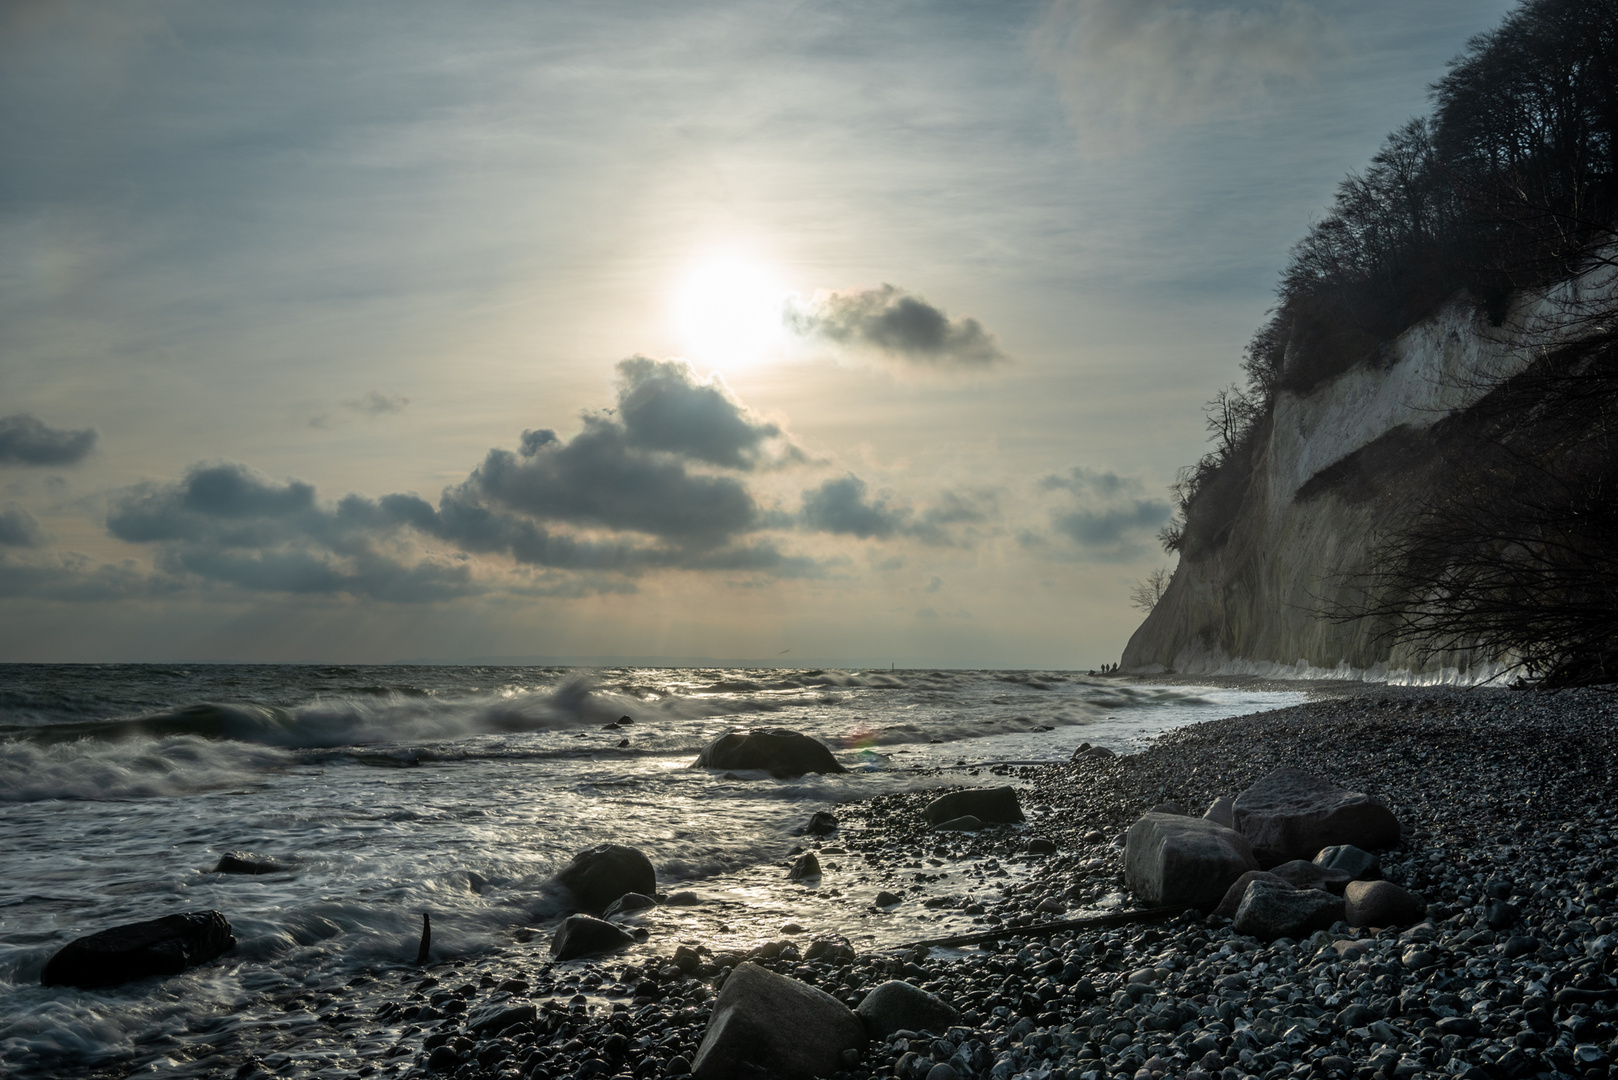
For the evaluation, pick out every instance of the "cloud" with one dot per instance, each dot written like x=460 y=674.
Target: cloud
x=67 y=576
x=897 y=324
x=375 y=403
x=1129 y=65
x=841 y=506
x=663 y=405
x=18 y=528
x=27 y=440
x=1105 y=516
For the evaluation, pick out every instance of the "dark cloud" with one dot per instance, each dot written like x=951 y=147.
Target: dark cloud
x=25 y=439
x=840 y=506
x=896 y=323
x=663 y=405
x=18 y=528
x=1107 y=516
x=67 y=576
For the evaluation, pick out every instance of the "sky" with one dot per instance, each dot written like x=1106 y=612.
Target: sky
x=772 y=331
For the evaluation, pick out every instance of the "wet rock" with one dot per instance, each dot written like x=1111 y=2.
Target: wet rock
x=582 y=935
x=821 y=823
x=1233 y=896
x=1222 y=811
x=887 y=899
x=1302 y=874
x=998 y=805
x=165 y=946
x=764 y=1021
x=964 y=823
x=898 y=1006
x=1500 y=915
x=1519 y=945
x=1271 y=911
x=776 y=750
x=1041 y=846
x=807 y=866
x=246 y=862
x=494 y=1018
x=629 y=903
x=684 y=898
x=1086 y=751
x=1292 y=814
x=1357 y=863
x=1381 y=903
x=597 y=876
x=1170 y=859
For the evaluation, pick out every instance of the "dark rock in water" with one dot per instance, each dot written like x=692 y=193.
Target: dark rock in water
x=964 y=823
x=1085 y=751
x=1382 y=903
x=781 y=1026
x=1172 y=859
x=1292 y=814
x=1271 y=911
x=821 y=824
x=807 y=866
x=628 y=904
x=624 y=720
x=887 y=899
x=497 y=1016
x=165 y=946
x=899 y=1006
x=599 y=875
x=684 y=898
x=1301 y=874
x=1357 y=863
x=998 y=805
x=1233 y=896
x=582 y=935
x=245 y=862
x=776 y=750
x=1039 y=845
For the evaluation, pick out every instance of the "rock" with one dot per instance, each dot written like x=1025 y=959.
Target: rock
x=998 y=805
x=899 y=1006
x=1357 y=863
x=245 y=862
x=1222 y=811
x=582 y=935
x=807 y=866
x=887 y=899
x=1291 y=814
x=1302 y=874
x=776 y=750
x=1271 y=911
x=1233 y=896
x=1086 y=751
x=1381 y=903
x=684 y=898
x=165 y=946
x=1518 y=945
x=1171 y=860
x=821 y=824
x=629 y=903
x=495 y=1017
x=964 y=823
x=1039 y=845
x=1500 y=915
x=600 y=875
x=770 y=1022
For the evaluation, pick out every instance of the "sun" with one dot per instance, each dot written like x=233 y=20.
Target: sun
x=727 y=310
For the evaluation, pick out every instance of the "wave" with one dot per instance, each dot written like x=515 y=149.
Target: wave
x=88 y=770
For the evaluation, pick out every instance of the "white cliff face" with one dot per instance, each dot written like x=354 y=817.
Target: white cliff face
x=1253 y=605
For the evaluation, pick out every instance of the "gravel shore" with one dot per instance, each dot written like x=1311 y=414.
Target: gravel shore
x=1506 y=799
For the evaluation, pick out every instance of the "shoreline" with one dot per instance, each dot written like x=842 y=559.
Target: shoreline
x=1500 y=788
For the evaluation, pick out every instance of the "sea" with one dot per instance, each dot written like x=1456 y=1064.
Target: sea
x=390 y=791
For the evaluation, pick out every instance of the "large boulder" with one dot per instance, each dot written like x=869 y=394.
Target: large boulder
x=1271 y=910
x=998 y=805
x=1382 y=903
x=1171 y=860
x=899 y=1006
x=597 y=876
x=1292 y=814
x=165 y=946
x=776 y=750
x=1358 y=864
x=1303 y=874
x=245 y=862
x=581 y=935
x=779 y=1025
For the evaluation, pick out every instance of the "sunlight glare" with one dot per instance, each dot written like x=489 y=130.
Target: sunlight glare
x=728 y=309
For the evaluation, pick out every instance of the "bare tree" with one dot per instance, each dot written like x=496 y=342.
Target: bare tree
x=1146 y=594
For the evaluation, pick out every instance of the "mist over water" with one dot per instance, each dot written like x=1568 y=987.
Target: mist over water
x=388 y=791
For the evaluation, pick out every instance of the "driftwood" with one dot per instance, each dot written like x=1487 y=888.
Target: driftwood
x=426 y=939
x=1094 y=922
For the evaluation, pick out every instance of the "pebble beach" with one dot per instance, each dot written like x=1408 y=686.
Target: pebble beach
x=1508 y=826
